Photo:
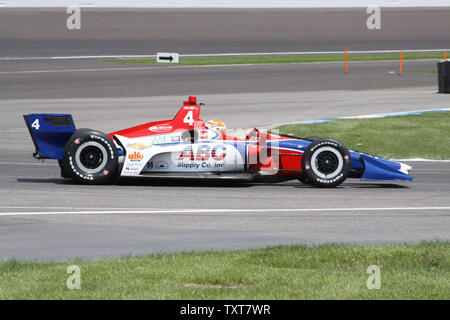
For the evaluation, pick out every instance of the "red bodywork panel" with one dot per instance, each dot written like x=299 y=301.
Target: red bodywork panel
x=187 y=118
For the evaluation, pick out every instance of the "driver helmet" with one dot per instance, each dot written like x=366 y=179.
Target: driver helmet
x=216 y=125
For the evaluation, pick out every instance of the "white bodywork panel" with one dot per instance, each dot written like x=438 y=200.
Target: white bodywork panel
x=168 y=153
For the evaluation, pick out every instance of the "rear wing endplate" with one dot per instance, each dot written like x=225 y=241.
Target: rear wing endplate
x=50 y=133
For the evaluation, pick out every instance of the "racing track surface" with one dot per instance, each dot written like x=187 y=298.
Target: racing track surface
x=29 y=186
x=93 y=79
x=237 y=216
x=32 y=32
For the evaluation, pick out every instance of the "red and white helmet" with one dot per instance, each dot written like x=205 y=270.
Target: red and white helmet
x=216 y=125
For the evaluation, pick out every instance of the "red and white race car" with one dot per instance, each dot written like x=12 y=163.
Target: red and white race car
x=188 y=147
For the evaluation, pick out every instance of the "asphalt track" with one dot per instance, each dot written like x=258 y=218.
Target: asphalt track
x=45 y=217
x=259 y=217
x=43 y=32
x=146 y=216
x=27 y=186
x=93 y=79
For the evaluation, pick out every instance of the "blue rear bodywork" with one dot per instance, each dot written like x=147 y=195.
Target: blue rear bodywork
x=50 y=133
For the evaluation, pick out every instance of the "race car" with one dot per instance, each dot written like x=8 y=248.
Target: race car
x=188 y=147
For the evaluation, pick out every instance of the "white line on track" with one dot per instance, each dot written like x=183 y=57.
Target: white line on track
x=194 y=211
x=421 y=160
x=66 y=208
x=28 y=163
x=232 y=54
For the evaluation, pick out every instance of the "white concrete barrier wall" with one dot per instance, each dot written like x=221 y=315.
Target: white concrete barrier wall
x=225 y=3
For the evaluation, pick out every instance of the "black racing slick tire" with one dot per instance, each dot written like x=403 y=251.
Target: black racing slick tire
x=90 y=157
x=64 y=174
x=326 y=163
x=303 y=179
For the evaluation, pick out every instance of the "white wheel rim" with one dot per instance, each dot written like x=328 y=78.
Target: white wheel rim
x=84 y=146
x=314 y=163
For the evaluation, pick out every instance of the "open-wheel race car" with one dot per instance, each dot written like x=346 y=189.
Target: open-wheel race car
x=188 y=147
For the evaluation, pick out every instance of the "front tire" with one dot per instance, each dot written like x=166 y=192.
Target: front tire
x=326 y=163
x=90 y=157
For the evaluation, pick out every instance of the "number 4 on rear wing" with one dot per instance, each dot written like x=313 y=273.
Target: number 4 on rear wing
x=49 y=132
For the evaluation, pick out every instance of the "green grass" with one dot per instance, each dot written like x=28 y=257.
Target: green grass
x=287 y=58
x=412 y=136
x=415 y=271
x=422 y=71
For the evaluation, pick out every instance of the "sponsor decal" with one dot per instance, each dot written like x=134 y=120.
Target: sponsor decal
x=219 y=152
x=131 y=170
x=162 y=139
x=196 y=165
x=212 y=134
x=161 y=165
x=137 y=146
x=204 y=134
x=161 y=128
x=175 y=138
x=136 y=156
x=187 y=153
x=204 y=153
x=188 y=165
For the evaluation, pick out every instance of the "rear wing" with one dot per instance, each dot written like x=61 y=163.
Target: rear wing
x=50 y=133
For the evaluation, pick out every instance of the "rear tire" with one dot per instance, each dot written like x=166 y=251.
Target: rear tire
x=90 y=157
x=64 y=174
x=326 y=163
x=303 y=179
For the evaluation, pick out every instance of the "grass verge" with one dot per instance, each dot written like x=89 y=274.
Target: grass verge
x=412 y=136
x=422 y=71
x=287 y=58
x=414 y=271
